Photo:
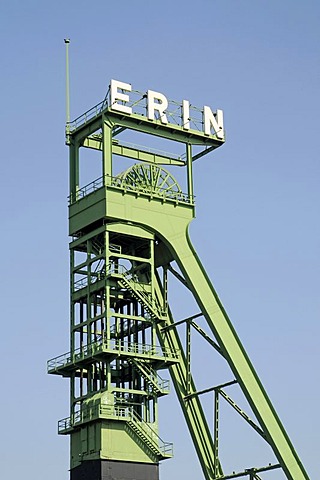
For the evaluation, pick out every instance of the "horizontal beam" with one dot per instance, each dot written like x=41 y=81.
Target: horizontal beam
x=144 y=156
x=144 y=125
x=250 y=472
x=169 y=130
x=134 y=152
x=180 y=322
x=210 y=389
x=202 y=153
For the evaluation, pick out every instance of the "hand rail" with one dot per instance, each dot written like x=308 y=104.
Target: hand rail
x=138 y=287
x=118 y=182
x=120 y=413
x=140 y=348
x=113 y=345
x=86 y=190
x=118 y=269
x=153 y=151
x=164 y=447
x=138 y=103
x=154 y=377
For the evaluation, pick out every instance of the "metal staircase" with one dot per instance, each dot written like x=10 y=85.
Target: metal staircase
x=150 y=438
x=157 y=385
x=139 y=291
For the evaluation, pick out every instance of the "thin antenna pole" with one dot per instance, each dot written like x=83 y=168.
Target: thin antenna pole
x=67 y=41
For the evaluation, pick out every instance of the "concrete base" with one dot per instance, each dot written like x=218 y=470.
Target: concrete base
x=113 y=470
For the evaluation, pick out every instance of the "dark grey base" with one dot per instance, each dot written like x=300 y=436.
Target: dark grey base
x=113 y=470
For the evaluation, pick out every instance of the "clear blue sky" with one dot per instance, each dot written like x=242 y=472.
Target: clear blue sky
x=257 y=227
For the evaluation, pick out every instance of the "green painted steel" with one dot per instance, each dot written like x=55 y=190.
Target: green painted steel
x=127 y=227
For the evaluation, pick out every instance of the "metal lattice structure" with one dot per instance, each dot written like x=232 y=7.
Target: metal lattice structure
x=126 y=231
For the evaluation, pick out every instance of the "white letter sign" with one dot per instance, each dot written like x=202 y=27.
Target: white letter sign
x=215 y=121
x=160 y=109
x=116 y=95
x=186 y=114
x=161 y=105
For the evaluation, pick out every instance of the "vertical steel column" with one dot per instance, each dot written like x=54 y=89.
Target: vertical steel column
x=188 y=357
x=165 y=288
x=107 y=151
x=189 y=170
x=67 y=42
x=216 y=434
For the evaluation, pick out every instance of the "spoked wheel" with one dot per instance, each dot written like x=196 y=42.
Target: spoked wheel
x=150 y=179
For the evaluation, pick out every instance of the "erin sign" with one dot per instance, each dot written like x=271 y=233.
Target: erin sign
x=157 y=108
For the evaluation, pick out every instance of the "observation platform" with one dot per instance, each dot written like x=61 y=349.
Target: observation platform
x=89 y=122
x=133 y=420
x=65 y=364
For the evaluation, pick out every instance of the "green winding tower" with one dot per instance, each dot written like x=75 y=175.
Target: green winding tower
x=126 y=230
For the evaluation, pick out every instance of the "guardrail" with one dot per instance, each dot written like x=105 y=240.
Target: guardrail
x=122 y=346
x=86 y=190
x=138 y=103
x=117 y=413
x=152 y=375
x=87 y=116
x=112 y=268
x=122 y=184
x=153 y=151
x=78 y=354
x=110 y=346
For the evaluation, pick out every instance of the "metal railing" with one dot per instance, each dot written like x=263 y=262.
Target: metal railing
x=145 y=350
x=115 y=248
x=138 y=103
x=111 y=346
x=157 y=192
x=126 y=413
x=153 y=151
x=97 y=274
x=152 y=376
x=87 y=116
x=82 y=283
x=166 y=448
x=78 y=354
x=86 y=190
x=129 y=280
x=112 y=269
x=140 y=289
x=122 y=184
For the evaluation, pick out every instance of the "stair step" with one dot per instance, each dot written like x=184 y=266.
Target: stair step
x=154 y=448
x=139 y=296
